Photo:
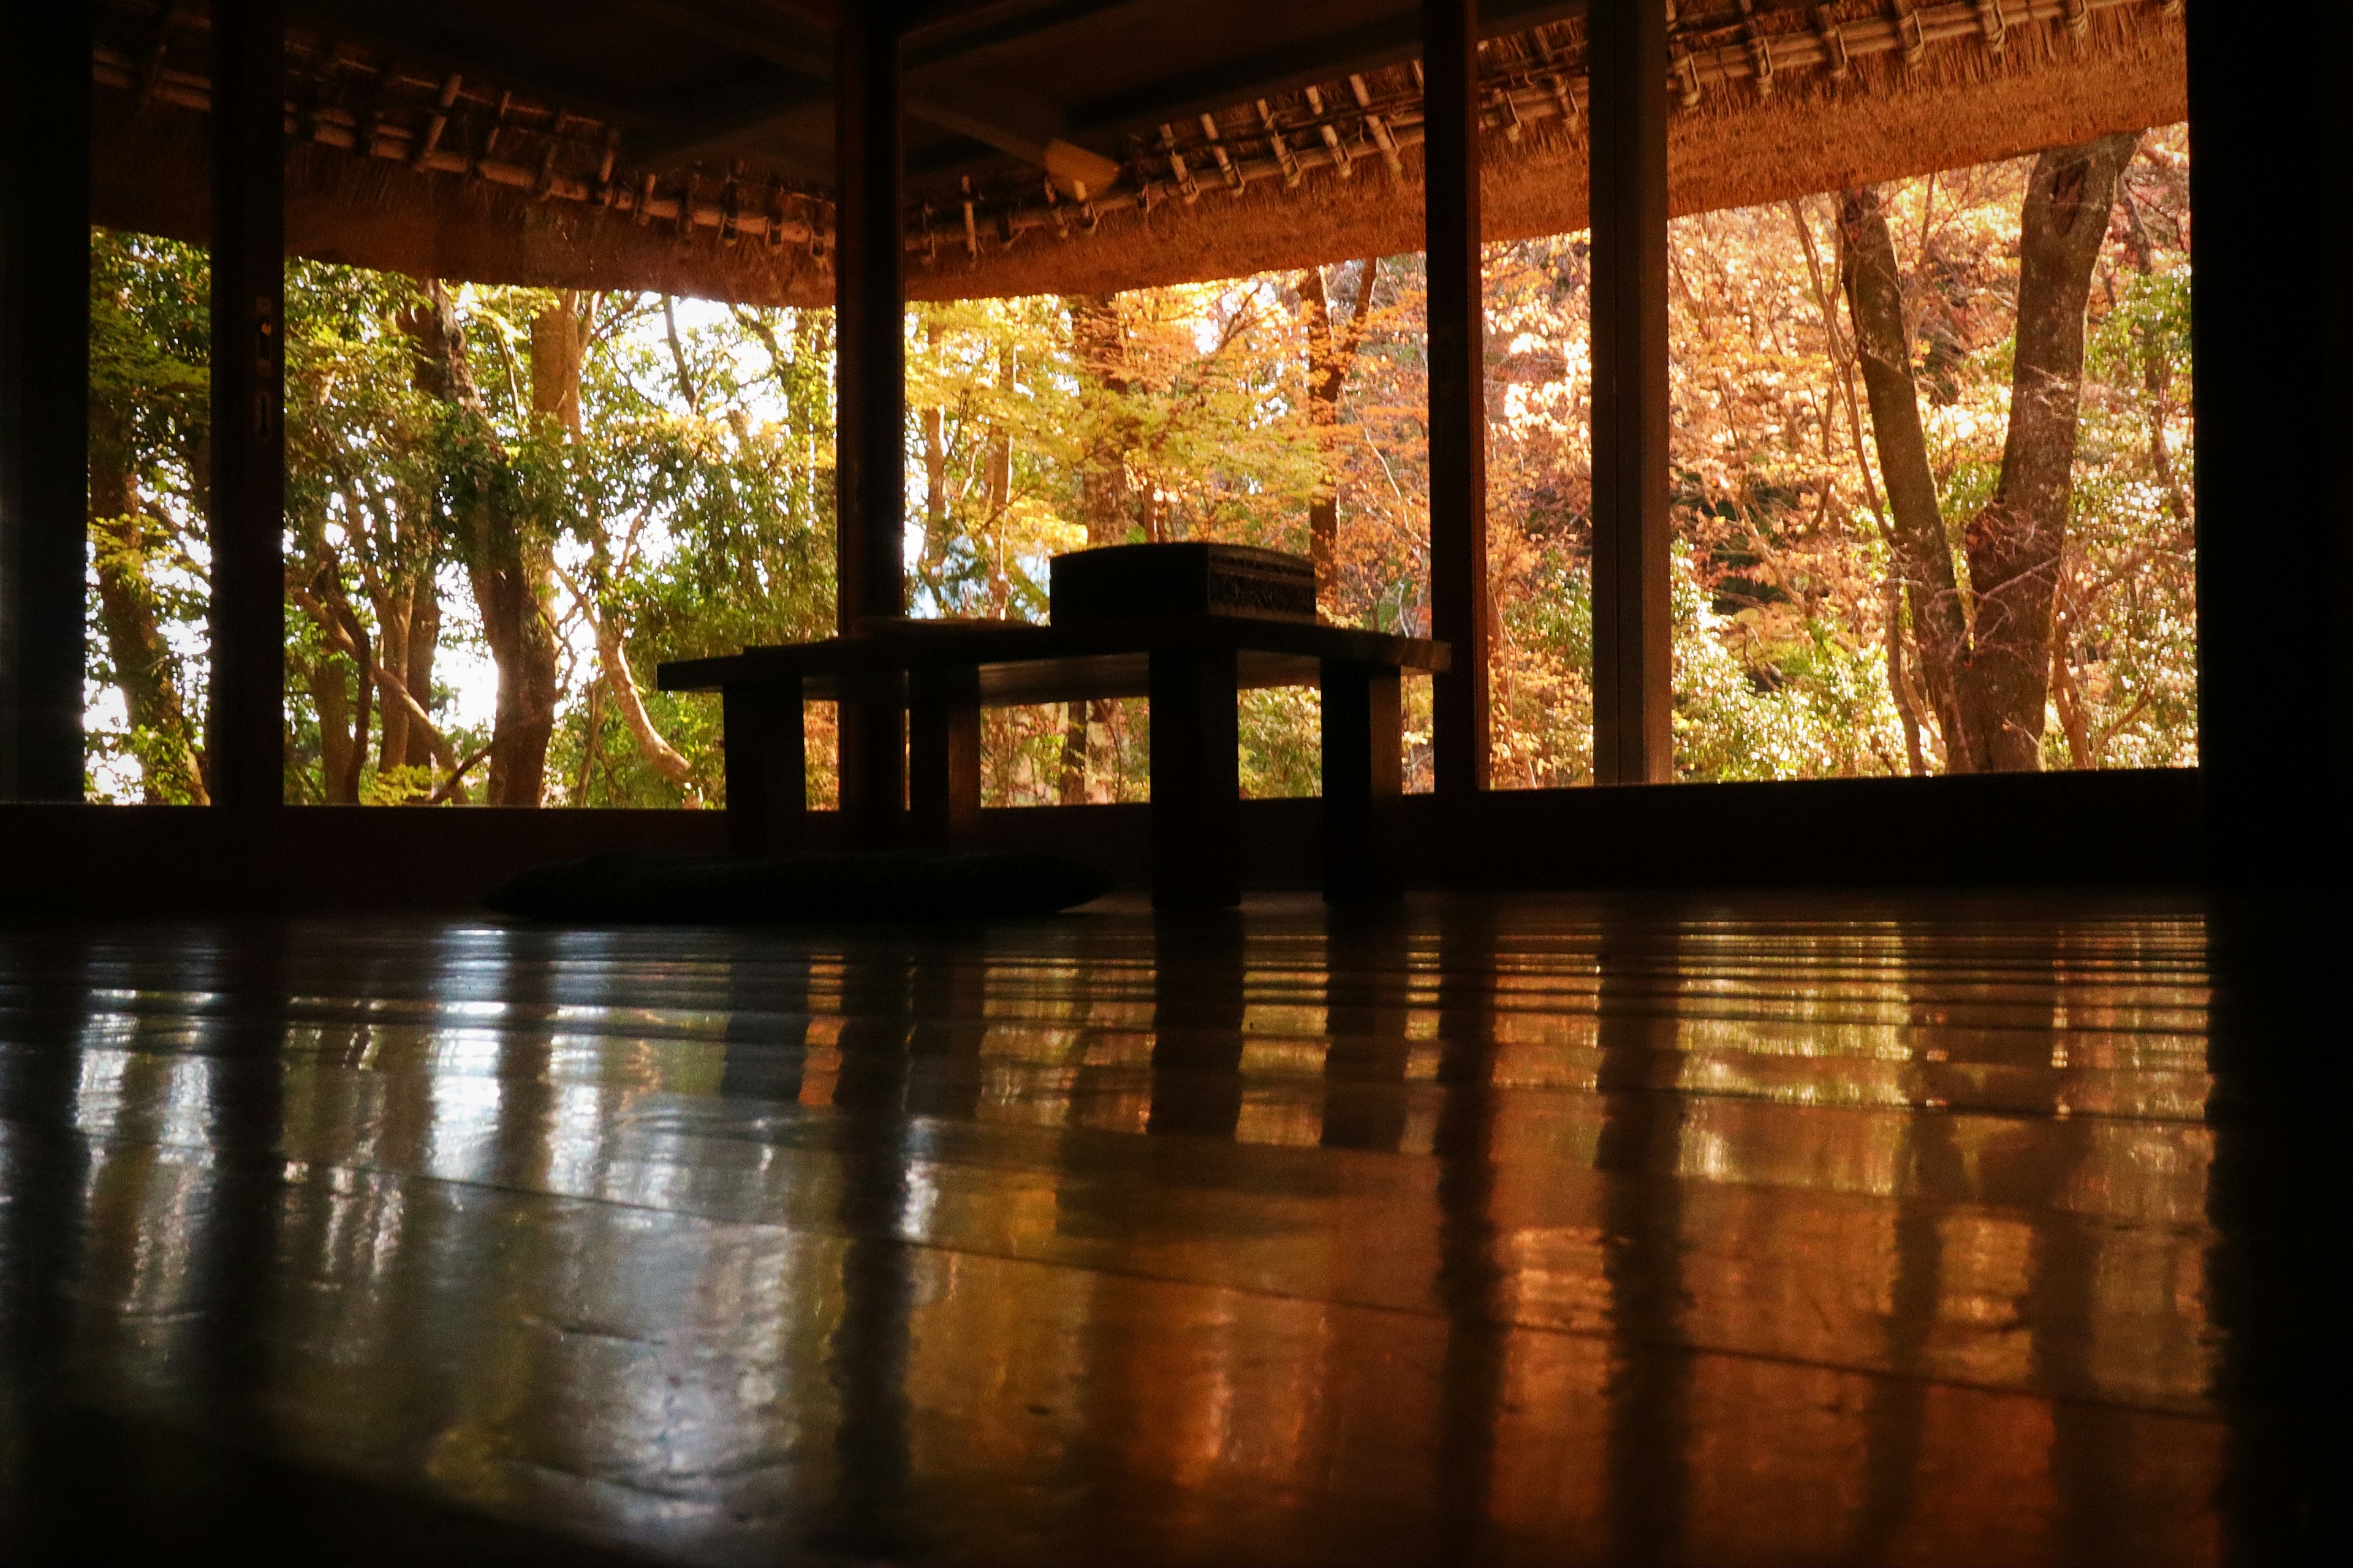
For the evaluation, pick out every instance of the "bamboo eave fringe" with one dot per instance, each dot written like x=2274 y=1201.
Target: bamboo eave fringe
x=1307 y=146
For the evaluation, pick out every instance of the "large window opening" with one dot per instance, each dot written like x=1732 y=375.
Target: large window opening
x=1916 y=530
x=1916 y=533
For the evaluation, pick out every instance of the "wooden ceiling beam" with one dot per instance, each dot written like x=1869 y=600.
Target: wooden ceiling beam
x=768 y=110
x=1005 y=123
x=763 y=33
x=395 y=30
x=1389 y=40
x=977 y=31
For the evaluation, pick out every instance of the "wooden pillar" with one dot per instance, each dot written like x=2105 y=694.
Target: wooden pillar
x=871 y=392
x=768 y=778
x=1363 y=784
x=944 y=756
x=44 y=51
x=1197 y=817
x=1626 y=51
x=245 y=736
x=1458 y=405
x=2273 y=664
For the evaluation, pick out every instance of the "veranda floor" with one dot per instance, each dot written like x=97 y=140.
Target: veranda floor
x=1541 y=1230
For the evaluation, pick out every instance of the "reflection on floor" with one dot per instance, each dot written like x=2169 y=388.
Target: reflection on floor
x=1545 y=1231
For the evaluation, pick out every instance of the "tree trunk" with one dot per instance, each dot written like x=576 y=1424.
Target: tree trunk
x=339 y=753
x=168 y=771
x=559 y=346
x=314 y=582
x=559 y=343
x=591 y=744
x=931 y=561
x=507 y=565
x=2013 y=545
x=343 y=725
x=998 y=474
x=613 y=662
x=1923 y=558
x=1107 y=499
x=393 y=610
x=686 y=387
x=408 y=622
x=417 y=676
x=2157 y=376
x=1109 y=503
x=407 y=601
x=1331 y=352
x=1001 y=445
x=1073 y=791
x=1899 y=679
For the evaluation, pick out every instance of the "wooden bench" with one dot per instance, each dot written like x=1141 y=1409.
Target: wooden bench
x=1190 y=666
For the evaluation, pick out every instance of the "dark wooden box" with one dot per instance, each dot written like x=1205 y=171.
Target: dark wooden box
x=1122 y=580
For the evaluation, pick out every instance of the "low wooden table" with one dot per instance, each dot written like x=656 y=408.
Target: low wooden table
x=1190 y=667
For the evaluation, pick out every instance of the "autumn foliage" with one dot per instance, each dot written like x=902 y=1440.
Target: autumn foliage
x=507 y=505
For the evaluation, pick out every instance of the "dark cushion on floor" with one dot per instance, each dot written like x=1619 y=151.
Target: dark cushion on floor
x=713 y=890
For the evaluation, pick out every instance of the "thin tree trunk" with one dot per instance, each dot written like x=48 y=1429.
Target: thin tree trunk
x=393 y=609
x=507 y=565
x=315 y=582
x=1108 y=502
x=686 y=387
x=339 y=754
x=1000 y=443
x=930 y=564
x=1325 y=376
x=2074 y=724
x=1921 y=557
x=1331 y=353
x=417 y=673
x=169 y=769
x=591 y=738
x=1899 y=681
x=2157 y=376
x=613 y=663
x=1075 y=756
x=997 y=478
x=559 y=343
x=2014 y=543
x=935 y=484
x=339 y=628
x=1000 y=472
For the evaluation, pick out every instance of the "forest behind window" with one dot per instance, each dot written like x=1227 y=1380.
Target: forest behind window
x=1922 y=524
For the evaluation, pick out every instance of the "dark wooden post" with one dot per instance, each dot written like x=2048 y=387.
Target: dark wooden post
x=245 y=737
x=1626 y=52
x=2273 y=738
x=1197 y=818
x=767 y=777
x=870 y=393
x=944 y=755
x=1458 y=404
x=1363 y=784
x=45 y=52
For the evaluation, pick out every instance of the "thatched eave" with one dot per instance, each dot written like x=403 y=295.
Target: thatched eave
x=437 y=170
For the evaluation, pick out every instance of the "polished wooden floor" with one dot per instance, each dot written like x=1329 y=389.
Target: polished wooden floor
x=1544 y=1230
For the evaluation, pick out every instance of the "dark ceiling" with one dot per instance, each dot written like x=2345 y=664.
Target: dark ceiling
x=988 y=82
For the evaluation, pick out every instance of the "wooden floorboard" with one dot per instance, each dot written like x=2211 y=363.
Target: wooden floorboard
x=1531 y=1230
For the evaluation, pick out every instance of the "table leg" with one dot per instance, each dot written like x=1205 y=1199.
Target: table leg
x=944 y=757
x=1363 y=784
x=767 y=784
x=1195 y=779
x=870 y=721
